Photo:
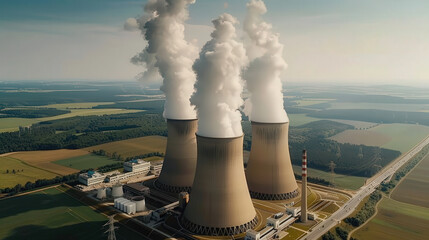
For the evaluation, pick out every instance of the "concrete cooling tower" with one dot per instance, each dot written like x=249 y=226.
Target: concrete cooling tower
x=178 y=170
x=269 y=170
x=219 y=203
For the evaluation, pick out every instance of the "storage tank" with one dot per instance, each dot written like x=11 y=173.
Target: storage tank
x=117 y=191
x=130 y=207
x=269 y=170
x=140 y=203
x=219 y=203
x=101 y=193
x=178 y=169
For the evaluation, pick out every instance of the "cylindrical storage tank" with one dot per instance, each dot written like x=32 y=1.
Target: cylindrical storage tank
x=220 y=202
x=269 y=170
x=178 y=169
x=117 y=191
x=140 y=203
x=101 y=193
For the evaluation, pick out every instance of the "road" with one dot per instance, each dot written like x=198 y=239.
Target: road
x=364 y=191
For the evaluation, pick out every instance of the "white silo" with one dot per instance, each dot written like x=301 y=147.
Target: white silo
x=140 y=203
x=117 y=191
x=101 y=193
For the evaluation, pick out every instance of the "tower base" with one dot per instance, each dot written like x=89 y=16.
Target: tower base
x=171 y=189
x=272 y=196
x=218 y=231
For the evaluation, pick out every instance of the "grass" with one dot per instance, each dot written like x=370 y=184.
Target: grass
x=51 y=214
x=133 y=147
x=381 y=106
x=396 y=220
x=396 y=136
x=300 y=119
x=44 y=159
x=414 y=188
x=293 y=234
x=85 y=162
x=331 y=208
x=26 y=173
x=13 y=124
x=340 y=181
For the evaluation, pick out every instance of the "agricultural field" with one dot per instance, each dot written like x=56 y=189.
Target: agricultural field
x=414 y=188
x=356 y=124
x=45 y=159
x=396 y=136
x=300 y=119
x=133 y=147
x=52 y=214
x=84 y=105
x=381 y=106
x=23 y=172
x=340 y=181
x=13 y=124
x=312 y=101
x=396 y=220
x=85 y=162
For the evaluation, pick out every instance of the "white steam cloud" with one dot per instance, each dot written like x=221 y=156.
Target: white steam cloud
x=219 y=84
x=265 y=102
x=169 y=54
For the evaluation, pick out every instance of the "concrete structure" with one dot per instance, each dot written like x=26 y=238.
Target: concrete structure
x=91 y=177
x=137 y=189
x=101 y=193
x=124 y=176
x=155 y=167
x=180 y=160
x=269 y=170
x=136 y=165
x=312 y=216
x=304 y=188
x=140 y=203
x=220 y=202
x=294 y=211
x=117 y=191
x=125 y=205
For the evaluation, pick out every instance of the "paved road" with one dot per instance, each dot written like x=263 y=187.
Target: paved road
x=364 y=191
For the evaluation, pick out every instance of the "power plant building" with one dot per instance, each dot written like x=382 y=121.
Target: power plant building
x=178 y=169
x=136 y=165
x=269 y=170
x=91 y=177
x=220 y=202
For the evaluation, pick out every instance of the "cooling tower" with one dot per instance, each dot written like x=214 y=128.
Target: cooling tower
x=140 y=203
x=219 y=203
x=269 y=170
x=178 y=170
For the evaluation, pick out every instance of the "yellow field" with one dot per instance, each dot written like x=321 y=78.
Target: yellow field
x=26 y=172
x=44 y=159
x=133 y=147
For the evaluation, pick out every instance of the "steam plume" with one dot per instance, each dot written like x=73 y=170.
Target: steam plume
x=219 y=85
x=169 y=54
x=265 y=103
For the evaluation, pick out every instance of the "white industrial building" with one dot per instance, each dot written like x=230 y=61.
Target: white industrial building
x=91 y=177
x=136 y=165
x=155 y=167
x=130 y=206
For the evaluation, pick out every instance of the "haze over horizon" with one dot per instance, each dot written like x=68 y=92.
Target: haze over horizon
x=349 y=42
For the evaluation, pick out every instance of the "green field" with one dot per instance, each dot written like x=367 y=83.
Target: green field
x=85 y=162
x=414 y=188
x=396 y=136
x=26 y=172
x=52 y=214
x=133 y=147
x=396 y=221
x=381 y=106
x=13 y=124
x=300 y=119
x=77 y=105
x=340 y=181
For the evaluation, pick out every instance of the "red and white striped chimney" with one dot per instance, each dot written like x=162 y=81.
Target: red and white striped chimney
x=304 y=187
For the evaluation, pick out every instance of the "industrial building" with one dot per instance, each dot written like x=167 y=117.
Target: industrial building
x=177 y=174
x=155 y=167
x=136 y=165
x=269 y=170
x=91 y=177
x=220 y=202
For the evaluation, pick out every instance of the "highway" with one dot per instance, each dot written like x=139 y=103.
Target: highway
x=345 y=210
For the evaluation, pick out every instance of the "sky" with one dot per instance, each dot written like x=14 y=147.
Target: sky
x=329 y=41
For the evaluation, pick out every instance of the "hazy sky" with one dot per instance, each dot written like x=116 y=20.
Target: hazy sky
x=360 y=41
